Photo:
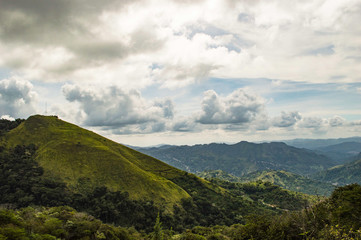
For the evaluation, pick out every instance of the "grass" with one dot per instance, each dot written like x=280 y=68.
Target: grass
x=73 y=154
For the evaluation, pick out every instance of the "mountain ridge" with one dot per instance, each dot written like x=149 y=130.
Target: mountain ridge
x=241 y=158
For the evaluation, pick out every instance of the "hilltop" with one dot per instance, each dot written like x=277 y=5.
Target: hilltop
x=83 y=159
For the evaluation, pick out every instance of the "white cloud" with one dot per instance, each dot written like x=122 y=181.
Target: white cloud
x=114 y=108
x=17 y=97
x=7 y=117
x=287 y=119
x=239 y=107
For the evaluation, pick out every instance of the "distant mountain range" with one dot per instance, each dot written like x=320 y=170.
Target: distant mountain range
x=241 y=158
x=319 y=143
x=342 y=152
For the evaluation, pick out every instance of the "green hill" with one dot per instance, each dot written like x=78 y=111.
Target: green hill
x=342 y=174
x=46 y=161
x=242 y=158
x=291 y=181
x=286 y=180
x=85 y=160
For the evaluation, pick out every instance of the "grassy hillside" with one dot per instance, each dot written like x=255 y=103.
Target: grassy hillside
x=85 y=160
x=49 y=162
x=241 y=158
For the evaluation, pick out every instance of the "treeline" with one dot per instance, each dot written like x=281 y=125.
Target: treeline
x=7 y=125
x=57 y=223
x=338 y=217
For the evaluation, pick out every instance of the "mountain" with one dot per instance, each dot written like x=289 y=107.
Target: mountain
x=286 y=180
x=48 y=162
x=241 y=158
x=85 y=160
x=342 y=174
x=341 y=152
x=319 y=143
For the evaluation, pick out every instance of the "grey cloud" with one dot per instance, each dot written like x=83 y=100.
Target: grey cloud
x=239 y=107
x=46 y=21
x=43 y=24
x=17 y=97
x=287 y=119
x=312 y=122
x=114 y=108
x=337 y=121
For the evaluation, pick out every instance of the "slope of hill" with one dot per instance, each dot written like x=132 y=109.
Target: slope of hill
x=286 y=180
x=341 y=152
x=342 y=174
x=241 y=158
x=46 y=161
x=83 y=159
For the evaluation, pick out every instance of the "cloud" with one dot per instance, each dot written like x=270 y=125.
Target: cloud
x=114 y=108
x=337 y=121
x=287 y=119
x=17 y=97
x=191 y=40
x=239 y=107
x=7 y=117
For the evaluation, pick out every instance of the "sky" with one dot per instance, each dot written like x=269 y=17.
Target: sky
x=149 y=72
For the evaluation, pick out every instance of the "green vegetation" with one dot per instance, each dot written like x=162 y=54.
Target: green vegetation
x=268 y=194
x=57 y=223
x=241 y=158
x=7 y=125
x=342 y=174
x=337 y=217
x=73 y=154
x=287 y=180
x=45 y=196
x=291 y=182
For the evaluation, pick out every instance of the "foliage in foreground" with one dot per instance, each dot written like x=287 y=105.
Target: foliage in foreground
x=338 y=217
x=57 y=223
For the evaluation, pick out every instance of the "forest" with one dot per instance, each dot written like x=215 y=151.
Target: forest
x=35 y=205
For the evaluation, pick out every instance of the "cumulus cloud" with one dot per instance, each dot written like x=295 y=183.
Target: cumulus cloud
x=114 y=108
x=337 y=121
x=17 y=97
x=287 y=119
x=239 y=107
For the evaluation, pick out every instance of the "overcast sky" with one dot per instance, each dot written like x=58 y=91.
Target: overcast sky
x=185 y=71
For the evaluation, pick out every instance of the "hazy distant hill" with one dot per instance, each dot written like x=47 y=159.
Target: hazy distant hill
x=342 y=152
x=241 y=158
x=318 y=143
x=342 y=174
x=281 y=178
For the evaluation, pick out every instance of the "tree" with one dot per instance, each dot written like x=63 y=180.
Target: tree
x=158 y=231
